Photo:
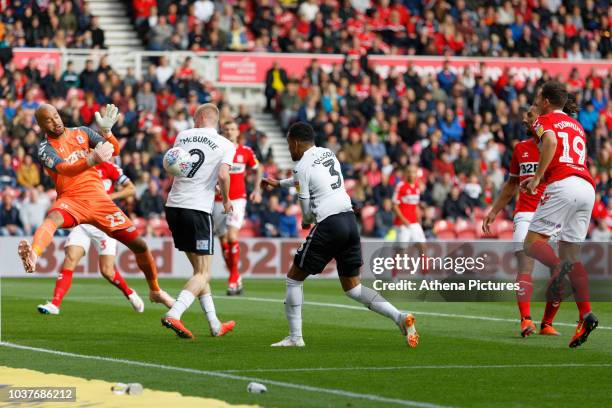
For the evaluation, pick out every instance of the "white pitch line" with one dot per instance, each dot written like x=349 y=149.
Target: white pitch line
x=421 y=367
x=436 y=314
x=219 y=374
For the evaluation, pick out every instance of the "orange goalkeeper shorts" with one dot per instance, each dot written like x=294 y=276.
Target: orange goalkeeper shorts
x=100 y=212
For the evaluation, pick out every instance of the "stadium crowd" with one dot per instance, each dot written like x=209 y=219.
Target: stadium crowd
x=529 y=28
x=49 y=24
x=459 y=128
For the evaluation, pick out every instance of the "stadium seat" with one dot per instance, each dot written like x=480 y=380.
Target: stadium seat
x=504 y=229
x=444 y=229
x=465 y=230
x=368 y=219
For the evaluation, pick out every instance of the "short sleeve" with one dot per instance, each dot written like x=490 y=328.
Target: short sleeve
x=542 y=125
x=302 y=181
x=397 y=192
x=93 y=136
x=228 y=155
x=116 y=174
x=48 y=156
x=252 y=160
x=514 y=165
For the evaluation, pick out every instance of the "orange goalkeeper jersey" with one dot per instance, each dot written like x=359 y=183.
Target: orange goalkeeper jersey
x=65 y=160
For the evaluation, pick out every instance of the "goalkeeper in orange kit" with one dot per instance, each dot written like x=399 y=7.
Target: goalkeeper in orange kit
x=69 y=156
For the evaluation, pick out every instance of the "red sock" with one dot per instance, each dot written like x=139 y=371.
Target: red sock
x=523 y=295
x=580 y=286
x=62 y=286
x=550 y=311
x=147 y=265
x=235 y=259
x=120 y=283
x=226 y=255
x=543 y=252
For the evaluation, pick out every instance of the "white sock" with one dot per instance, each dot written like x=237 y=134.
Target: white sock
x=208 y=306
x=183 y=301
x=294 y=297
x=374 y=301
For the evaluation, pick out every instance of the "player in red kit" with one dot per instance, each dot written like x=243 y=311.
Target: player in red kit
x=406 y=205
x=523 y=165
x=227 y=226
x=406 y=199
x=83 y=235
x=566 y=204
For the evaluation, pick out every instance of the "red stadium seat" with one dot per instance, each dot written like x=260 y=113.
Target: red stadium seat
x=368 y=219
x=505 y=229
x=465 y=229
x=444 y=229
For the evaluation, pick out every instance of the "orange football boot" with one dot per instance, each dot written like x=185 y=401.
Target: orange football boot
x=225 y=328
x=584 y=328
x=527 y=327
x=546 y=329
x=177 y=326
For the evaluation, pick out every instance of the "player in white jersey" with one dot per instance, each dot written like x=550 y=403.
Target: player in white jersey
x=188 y=212
x=325 y=203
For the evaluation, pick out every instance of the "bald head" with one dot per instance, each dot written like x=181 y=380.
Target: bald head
x=49 y=120
x=206 y=115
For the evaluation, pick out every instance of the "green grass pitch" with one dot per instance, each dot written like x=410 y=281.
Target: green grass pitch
x=470 y=353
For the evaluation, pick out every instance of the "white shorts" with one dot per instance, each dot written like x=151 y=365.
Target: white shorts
x=565 y=210
x=235 y=219
x=82 y=235
x=410 y=233
x=522 y=220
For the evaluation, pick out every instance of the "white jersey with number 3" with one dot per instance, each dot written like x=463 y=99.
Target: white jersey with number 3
x=319 y=179
x=208 y=150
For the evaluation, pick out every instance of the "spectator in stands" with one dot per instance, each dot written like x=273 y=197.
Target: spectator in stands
x=151 y=203
x=69 y=77
x=289 y=104
x=33 y=210
x=10 y=222
x=456 y=205
x=164 y=71
x=384 y=219
x=28 y=173
x=97 y=34
x=276 y=78
x=145 y=98
x=8 y=178
x=270 y=218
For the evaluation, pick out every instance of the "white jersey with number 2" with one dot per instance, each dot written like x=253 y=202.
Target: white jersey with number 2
x=208 y=150
x=319 y=179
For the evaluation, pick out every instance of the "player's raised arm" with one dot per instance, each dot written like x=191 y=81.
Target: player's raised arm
x=105 y=123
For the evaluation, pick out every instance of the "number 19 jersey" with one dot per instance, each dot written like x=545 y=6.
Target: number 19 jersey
x=571 y=154
x=320 y=179
x=208 y=151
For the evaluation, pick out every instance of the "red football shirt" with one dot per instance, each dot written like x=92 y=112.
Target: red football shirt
x=111 y=175
x=570 y=158
x=523 y=165
x=407 y=197
x=243 y=158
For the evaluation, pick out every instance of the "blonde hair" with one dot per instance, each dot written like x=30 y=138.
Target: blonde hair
x=207 y=114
